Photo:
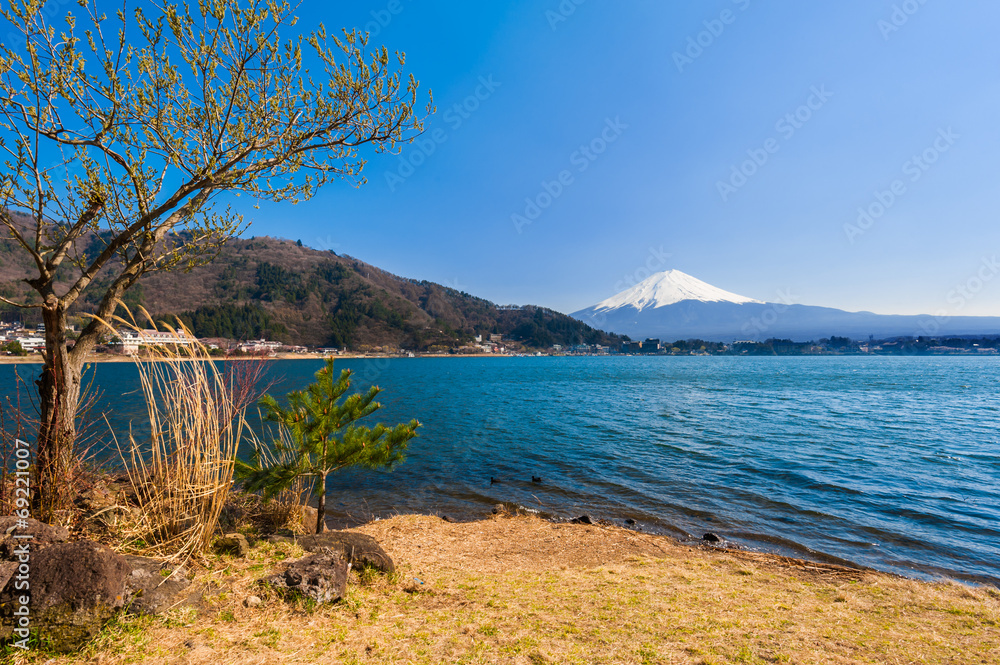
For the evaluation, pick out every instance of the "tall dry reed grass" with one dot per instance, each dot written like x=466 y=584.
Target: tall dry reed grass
x=182 y=473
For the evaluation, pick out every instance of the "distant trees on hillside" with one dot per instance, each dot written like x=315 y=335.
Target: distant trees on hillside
x=275 y=282
x=541 y=328
x=249 y=321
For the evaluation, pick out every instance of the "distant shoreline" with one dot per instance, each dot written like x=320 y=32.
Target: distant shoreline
x=35 y=359
x=108 y=358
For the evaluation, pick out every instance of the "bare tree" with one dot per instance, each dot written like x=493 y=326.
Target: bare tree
x=118 y=140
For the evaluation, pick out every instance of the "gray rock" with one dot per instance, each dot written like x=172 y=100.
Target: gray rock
x=356 y=548
x=322 y=577
x=233 y=543
x=95 y=499
x=274 y=538
x=75 y=589
x=42 y=535
x=253 y=601
x=154 y=586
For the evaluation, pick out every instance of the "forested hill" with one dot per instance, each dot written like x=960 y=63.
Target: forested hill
x=279 y=289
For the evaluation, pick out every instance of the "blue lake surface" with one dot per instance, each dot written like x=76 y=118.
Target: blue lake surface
x=892 y=463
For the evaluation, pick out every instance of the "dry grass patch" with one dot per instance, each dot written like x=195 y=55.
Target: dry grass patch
x=522 y=590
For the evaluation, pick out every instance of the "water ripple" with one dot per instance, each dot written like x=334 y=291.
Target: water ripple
x=891 y=463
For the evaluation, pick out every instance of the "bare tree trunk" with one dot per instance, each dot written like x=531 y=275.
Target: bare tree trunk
x=321 y=507
x=59 y=393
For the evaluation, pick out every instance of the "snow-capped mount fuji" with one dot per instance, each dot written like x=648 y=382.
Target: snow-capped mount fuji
x=668 y=288
x=672 y=305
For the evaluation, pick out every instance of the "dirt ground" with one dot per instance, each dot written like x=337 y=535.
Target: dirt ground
x=525 y=590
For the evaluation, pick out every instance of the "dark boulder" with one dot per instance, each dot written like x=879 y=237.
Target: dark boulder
x=711 y=538
x=75 y=589
x=322 y=577
x=582 y=519
x=357 y=548
x=41 y=535
x=154 y=586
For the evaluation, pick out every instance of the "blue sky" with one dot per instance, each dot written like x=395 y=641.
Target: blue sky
x=630 y=125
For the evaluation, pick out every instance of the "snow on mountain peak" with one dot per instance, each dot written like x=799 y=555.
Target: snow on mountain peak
x=667 y=288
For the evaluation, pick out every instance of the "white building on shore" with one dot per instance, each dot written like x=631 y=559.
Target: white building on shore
x=260 y=346
x=32 y=342
x=129 y=341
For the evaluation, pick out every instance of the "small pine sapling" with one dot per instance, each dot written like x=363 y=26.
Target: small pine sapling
x=323 y=437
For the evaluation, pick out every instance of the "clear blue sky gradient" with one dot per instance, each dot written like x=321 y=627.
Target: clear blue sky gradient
x=788 y=231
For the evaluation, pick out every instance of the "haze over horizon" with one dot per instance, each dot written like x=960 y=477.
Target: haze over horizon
x=624 y=125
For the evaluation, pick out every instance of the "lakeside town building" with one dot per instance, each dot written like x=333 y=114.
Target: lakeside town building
x=128 y=342
x=260 y=346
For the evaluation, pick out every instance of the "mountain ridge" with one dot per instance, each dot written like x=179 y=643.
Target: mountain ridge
x=742 y=318
x=281 y=289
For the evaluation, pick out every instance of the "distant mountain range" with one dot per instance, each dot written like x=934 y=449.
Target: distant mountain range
x=282 y=290
x=672 y=305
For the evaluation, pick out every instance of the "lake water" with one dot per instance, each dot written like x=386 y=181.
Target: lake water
x=892 y=463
